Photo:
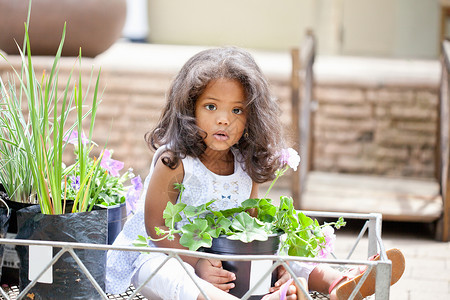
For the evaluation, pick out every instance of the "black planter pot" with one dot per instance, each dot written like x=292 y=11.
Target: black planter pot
x=68 y=280
x=10 y=268
x=247 y=272
x=117 y=215
x=5 y=214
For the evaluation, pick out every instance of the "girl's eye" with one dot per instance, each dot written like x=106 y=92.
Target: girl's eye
x=210 y=107
x=238 y=111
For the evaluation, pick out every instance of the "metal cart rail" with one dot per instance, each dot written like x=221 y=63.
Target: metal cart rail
x=372 y=226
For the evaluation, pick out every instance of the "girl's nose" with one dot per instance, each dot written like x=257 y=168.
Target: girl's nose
x=223 y=119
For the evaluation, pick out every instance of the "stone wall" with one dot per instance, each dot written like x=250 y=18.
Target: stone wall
x=387 y=130
x=384 y=127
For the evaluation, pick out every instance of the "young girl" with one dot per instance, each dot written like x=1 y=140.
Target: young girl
x=219 y=135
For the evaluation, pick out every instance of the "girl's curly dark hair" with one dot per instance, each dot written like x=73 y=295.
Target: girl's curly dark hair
x=259 y=146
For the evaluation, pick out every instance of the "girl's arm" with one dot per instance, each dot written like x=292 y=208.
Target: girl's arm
x=254 y=192
x=253 y=195
x=160 y=191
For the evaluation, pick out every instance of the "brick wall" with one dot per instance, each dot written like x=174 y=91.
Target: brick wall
x=386 y=130
x=360 y=127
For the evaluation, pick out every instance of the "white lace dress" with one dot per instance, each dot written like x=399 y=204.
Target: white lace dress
x=201 y=186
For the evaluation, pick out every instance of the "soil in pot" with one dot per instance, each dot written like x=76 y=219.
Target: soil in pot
x=247 y=273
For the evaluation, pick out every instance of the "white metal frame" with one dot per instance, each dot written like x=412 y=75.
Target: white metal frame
x=375 y=245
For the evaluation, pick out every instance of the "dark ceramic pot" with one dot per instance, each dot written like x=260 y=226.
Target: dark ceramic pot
x=93 y=25
x=247 y=272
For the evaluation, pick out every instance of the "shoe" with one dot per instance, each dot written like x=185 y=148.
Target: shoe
x=345 y=289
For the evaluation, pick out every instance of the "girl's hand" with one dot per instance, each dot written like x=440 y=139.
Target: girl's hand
x=211 y=270
x=283 y=276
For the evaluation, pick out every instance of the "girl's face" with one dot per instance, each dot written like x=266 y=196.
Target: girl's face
x=220 y=112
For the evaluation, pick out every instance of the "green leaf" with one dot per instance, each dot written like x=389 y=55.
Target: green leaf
x=266 y=210
x=194 y=211
x=340 y=223
x=247 y=229
x=141 y=241
x=219 y=226
x=172 y=215
x=232 y=211
x=195 y=235
x=304 y=220
x=298 y=247
x=250 y=203
x=179 y=186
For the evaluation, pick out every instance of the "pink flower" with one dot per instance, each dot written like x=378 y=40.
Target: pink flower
x=328 y=247
x=73 y=138
x=111 y=165
x=290 y=157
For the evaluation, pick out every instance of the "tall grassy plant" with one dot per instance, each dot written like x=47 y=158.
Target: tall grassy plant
x=14 y=173
x=42 y=140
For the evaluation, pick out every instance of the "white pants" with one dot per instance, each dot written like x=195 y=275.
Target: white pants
x=171 y=282
x=302 y=269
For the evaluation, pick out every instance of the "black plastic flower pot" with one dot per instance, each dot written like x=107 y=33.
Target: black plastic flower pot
x=67 y=278
x=247 y=272
x=5 y=214
x=117 y=215
x=10 y=268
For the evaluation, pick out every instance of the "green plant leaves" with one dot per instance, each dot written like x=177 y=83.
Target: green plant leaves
x=302 y=235
x=194 y=211
x=141 y=241
x=217 y=226
x=172 y=215
x=195 y=235
x=247 y=229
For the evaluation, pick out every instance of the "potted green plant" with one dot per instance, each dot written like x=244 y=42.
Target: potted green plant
x=41 y=138
x=118 y=193
x=257 y=226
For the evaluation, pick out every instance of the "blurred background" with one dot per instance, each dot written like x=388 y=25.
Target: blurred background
x=376 y=82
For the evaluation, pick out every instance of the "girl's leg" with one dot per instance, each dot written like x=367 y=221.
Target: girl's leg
x=291 y=292
x=327 y=280
x=322 y=277
x=170 y=282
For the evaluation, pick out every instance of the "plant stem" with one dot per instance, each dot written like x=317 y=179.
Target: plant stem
x=278 y=174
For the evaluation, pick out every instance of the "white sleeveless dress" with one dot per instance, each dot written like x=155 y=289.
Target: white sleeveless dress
x=201 y=186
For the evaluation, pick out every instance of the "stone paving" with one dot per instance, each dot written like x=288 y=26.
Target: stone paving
x=427 y=273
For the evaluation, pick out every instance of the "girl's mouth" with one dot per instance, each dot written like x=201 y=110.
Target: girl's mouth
x=221 y=136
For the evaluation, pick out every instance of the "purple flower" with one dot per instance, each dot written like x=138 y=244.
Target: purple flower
x=111 y=165
x=290 y=157
x=137 y=183
x=75 y=182
x=73 y=138
x=328 y=247
x=133 y=194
